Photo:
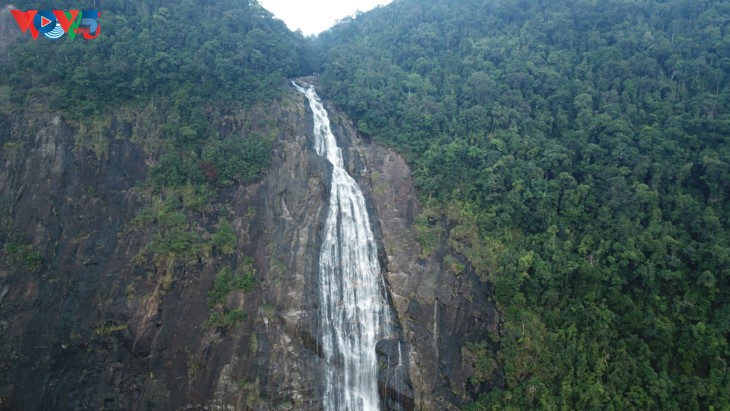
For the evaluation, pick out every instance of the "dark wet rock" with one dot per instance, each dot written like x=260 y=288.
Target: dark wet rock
x=439 y=312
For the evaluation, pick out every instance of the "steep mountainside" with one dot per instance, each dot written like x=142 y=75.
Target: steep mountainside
x=95 y=316
x=575 y=155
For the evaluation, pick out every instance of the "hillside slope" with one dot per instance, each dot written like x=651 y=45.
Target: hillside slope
x=576 y=155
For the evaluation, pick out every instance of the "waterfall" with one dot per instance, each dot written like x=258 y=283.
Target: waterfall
x=352 y=305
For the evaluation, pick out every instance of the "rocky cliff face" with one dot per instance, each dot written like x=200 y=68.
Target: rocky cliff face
x=438 y=311
x=85 y=323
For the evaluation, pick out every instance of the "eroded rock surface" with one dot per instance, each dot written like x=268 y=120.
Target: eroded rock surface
x=438 y=311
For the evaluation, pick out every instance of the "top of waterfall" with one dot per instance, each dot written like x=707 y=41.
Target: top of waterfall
x=307 y=81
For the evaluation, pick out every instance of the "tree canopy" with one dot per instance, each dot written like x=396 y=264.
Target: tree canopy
x=222 y=51
x=579 y=153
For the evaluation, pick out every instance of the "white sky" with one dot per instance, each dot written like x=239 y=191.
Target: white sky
x=316 y=16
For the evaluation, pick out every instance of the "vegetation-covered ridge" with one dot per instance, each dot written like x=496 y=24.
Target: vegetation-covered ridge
x=181 y=77
x=576 y=154
x=223 y=51
x=188 y=80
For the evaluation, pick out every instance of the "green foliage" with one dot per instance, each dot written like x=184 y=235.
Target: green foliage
x=22 y=256
x=484 y=362
x=236 y=159
x=225 y=318
x=175 y=235
x=254 y=345
x=277 y=266
x=149 y=49
x=578 y=151
x=196 y=197
x=11 y=150
x=200 y=159
x=242 y=383
x=453 y=265
x=225 y=238
x=177 y=168
x=429 y=232
x=228 y=281
x=108 y=327
x=92 y=137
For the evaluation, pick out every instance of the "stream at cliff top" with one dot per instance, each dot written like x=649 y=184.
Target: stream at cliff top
x=354 y=313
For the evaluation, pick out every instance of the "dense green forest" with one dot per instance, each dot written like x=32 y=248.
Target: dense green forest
x=227 y=51
x=576 y=155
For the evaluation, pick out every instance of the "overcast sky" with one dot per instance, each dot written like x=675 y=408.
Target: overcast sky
x=316 y=16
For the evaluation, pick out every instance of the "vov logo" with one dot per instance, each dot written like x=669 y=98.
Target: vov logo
x=55 y=23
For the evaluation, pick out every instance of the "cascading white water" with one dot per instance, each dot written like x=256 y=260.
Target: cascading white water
x=354 y=313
